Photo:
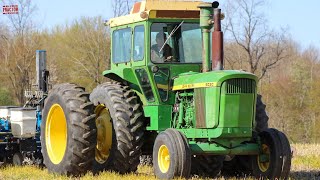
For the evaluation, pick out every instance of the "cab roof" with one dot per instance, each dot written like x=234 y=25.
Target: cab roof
x=152 y=9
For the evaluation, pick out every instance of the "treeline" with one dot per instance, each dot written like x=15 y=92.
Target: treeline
x=292 y=93
x=79 y=51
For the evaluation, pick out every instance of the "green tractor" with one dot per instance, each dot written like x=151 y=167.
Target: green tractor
x=166 y=99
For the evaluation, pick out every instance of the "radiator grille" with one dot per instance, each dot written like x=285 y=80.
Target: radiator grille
x=239 y=86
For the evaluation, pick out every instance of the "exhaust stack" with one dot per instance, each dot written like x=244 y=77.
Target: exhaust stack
x=217 y=42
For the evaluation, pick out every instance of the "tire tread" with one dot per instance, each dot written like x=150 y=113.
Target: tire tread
x=128 y=138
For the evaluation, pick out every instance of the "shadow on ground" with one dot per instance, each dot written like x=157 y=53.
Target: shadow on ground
x=305 y=175
x=299 y=175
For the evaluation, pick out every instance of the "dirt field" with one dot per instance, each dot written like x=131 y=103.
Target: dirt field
x=305 y=165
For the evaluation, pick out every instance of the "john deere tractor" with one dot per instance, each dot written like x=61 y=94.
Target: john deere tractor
x=169 y=97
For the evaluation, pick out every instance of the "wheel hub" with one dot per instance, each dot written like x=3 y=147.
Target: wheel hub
x=56 y=134
x=164 y=158
x=104 y=134
x=264 y=158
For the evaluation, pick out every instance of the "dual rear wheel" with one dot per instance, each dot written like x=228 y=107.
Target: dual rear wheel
x=78 y=136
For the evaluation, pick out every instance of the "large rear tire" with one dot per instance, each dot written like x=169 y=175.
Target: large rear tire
x=121 y=139
x=68 y=132
x=261 y=120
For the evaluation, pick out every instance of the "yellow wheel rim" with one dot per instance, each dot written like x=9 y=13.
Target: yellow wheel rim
x=56 y=134
x=163 y=159
x=104 y=134
x=264 y=166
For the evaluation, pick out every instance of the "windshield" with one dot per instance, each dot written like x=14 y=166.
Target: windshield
x=178 y=42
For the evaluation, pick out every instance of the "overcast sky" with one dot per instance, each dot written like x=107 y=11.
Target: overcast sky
x=301 y=19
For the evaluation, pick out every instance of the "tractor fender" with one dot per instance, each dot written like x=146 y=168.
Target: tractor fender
x=128 y=77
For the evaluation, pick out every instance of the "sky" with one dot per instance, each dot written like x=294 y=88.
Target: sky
x=300 y=19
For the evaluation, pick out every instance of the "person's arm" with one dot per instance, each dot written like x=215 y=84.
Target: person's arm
x=167 y=52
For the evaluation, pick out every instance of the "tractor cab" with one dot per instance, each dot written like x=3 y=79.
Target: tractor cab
x=155 y=43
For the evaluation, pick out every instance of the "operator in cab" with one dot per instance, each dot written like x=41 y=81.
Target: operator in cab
x=161 y=52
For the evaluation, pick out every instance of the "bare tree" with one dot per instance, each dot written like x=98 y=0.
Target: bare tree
x=82 y=49
x=21 y=22
x=262 y=48
x=91 y=56
x=19 y=47
x=122 y=7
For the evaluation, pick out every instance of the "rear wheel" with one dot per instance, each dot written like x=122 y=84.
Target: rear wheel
x=261 y=120
x=120 y=128
x=68 y=130
x=104 y=137
x=274 y=159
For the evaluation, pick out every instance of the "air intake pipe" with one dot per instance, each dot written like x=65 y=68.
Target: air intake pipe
x=206 y=24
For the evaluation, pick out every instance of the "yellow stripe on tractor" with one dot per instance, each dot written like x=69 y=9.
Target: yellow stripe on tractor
x=195 y=85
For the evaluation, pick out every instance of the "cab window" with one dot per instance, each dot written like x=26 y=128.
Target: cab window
x=121 y=45
x=176 y=42
x=138 y=43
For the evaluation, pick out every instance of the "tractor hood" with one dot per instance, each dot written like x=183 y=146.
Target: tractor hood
x=192 y=80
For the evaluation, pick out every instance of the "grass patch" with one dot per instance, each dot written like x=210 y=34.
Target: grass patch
x=305 y=157
x=306 y=162
x=35 y=173
x=305 y=165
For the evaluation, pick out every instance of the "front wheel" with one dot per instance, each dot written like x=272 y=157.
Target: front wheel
x=171 y=155
x=274 y=159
